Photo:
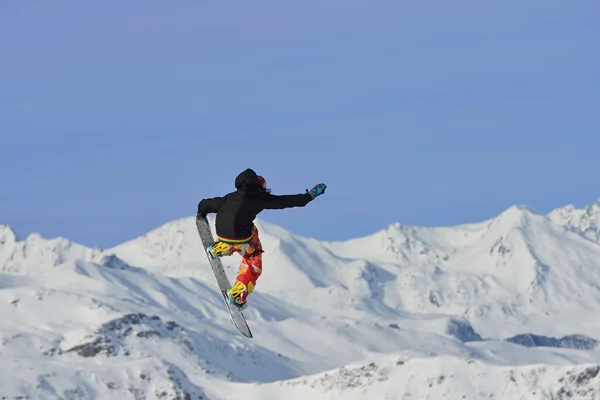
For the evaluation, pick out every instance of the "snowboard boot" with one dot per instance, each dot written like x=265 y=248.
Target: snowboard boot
x=237 y=295
x=219 y=249
x=222 y=249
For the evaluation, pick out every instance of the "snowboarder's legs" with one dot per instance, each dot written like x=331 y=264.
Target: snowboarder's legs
x=250 y=268
x=249 y=271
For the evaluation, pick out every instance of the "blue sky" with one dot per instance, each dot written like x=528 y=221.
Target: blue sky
x=116 y=117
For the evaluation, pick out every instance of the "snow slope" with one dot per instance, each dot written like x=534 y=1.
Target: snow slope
x=504 y=308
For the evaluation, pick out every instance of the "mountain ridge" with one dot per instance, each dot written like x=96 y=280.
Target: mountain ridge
x=567 y=215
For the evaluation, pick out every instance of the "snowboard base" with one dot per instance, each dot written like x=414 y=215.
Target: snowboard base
x=222 y=281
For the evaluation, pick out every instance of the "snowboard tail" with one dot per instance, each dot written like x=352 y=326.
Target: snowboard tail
x=222 y=281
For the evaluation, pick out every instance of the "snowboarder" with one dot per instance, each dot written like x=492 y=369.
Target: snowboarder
x=235 y=229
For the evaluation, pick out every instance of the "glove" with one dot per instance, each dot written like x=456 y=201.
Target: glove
x=317 y=190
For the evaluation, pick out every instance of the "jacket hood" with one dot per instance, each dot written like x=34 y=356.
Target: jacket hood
x=247 y=180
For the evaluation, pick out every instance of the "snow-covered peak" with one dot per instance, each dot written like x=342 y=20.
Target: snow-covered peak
x=585 y=221
x=36 y=253
x=7 y=235
x=175 y=249
x=173 y=245
x=410 y=245
x=295 y=263
x=516 y=263
x=515 y=216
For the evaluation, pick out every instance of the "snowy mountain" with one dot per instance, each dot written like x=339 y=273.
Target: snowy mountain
x=584 y=221
x=503 y=308
x=36 y=254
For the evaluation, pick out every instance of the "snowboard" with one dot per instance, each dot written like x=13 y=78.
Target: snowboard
x=222 y=281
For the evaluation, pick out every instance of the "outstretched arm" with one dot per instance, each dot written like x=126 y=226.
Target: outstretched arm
x=274 y=202
x=211 y=205
x=278 y=202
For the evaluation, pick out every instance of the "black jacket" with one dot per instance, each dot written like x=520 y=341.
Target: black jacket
x=237 y=210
